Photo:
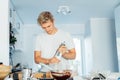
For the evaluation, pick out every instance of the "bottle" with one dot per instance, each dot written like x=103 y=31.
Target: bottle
x=58 y=54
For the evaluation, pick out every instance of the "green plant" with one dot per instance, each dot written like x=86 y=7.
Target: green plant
x=12 y=38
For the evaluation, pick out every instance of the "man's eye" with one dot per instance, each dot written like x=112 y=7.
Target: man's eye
x=48 y=26
x=43 y=27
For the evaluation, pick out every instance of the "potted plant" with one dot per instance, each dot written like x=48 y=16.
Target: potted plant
x=12 y=41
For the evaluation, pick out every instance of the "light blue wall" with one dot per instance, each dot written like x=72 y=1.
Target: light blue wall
x=117 y=25
x=104 y=44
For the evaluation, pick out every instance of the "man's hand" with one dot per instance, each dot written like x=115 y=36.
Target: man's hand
x=63 y=49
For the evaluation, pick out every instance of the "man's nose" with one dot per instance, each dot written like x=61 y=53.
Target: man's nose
x=47 y=29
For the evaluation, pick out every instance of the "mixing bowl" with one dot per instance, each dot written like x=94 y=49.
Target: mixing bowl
x=64 y=75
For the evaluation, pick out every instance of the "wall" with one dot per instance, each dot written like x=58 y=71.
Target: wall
x=117 y=20
x=117 y=25
x=4 y=31
x=104 y=44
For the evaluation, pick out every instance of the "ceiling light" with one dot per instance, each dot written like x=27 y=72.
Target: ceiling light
x=64 y=10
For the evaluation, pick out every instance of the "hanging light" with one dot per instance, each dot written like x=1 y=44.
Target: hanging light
x=64 y=10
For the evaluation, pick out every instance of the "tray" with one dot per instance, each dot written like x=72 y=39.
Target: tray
x=45 y=78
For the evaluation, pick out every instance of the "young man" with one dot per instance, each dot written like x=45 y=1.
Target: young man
x=48 y=42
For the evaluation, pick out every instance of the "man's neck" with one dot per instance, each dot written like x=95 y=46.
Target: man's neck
x=54 y=31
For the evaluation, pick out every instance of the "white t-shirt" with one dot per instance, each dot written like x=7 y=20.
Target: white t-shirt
x=48 y=44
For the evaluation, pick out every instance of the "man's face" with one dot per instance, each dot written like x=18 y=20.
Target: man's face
x=48 y=27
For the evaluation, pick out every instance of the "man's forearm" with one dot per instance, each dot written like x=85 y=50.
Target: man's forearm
x=42 y=60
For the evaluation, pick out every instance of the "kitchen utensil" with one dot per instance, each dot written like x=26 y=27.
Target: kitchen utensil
x=26 y=73
x=57 y=53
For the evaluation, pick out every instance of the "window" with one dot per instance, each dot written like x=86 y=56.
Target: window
x=78 y=62
x=118 y=50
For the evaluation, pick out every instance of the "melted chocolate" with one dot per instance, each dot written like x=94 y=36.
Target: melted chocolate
x=61 y=76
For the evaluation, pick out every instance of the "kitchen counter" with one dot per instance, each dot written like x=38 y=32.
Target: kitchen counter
x=110 y=76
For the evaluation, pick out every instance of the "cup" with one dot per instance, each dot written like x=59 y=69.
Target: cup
x=26 y=73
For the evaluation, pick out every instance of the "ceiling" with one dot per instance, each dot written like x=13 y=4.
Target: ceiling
x=81 y=10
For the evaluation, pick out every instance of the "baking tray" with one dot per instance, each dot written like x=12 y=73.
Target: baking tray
x=45 y=79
